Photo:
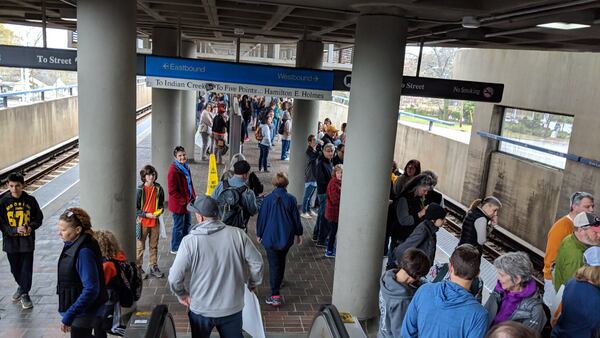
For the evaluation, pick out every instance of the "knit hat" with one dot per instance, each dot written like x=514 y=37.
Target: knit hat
x=241 y=167
x=435 y=211
x=205 y=206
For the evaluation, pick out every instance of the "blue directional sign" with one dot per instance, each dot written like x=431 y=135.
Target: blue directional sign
x=252 y=74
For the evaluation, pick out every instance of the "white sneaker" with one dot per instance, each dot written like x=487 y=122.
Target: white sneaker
x=305 y=215
x=313 y=214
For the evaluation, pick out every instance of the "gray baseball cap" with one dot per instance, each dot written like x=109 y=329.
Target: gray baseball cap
x=205 y=206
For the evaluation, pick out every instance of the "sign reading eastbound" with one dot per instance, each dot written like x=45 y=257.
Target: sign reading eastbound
x=239 y=78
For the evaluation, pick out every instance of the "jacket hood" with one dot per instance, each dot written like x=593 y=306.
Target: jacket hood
x=392 y=289
x=207 y=227
x=449 y=295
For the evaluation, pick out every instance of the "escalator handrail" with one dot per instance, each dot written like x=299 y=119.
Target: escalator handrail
x=159 y=318
x=334 y=320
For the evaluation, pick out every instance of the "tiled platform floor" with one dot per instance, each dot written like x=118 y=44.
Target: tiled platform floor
x=309 y=275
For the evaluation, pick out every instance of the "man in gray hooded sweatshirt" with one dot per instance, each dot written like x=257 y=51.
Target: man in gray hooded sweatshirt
x=216 y=255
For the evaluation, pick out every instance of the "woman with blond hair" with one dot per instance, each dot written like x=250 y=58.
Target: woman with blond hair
x=277 y=225
x=332 y=208
x=581 y=301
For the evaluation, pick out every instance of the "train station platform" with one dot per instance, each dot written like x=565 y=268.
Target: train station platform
x=308 y=279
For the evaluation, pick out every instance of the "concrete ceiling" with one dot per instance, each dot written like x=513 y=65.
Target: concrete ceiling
x=503 y=23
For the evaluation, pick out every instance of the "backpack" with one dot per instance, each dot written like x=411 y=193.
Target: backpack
x=230 y=205
x=281 y=128
x=131 y=282
x=258 y=134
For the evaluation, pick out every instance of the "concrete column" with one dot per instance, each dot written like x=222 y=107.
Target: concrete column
x=488 y=119
x=188 y=106
x=166 y=105
x=106 y=76
x=330 y=52
x=305 y=117
x=368 y=157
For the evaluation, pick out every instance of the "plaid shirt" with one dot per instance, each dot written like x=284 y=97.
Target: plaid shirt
x=332 y=207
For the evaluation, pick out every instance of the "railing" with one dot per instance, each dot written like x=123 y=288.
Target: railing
x=570 y=157
x=42 y=91
x=346 y=102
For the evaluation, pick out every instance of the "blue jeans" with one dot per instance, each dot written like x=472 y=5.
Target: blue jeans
x=181 y=227
x=322 y=225
x=285 y=148
x=276 y=260
x=309 y=189
x=333 y=228
x=262 y=159
x=228 y=326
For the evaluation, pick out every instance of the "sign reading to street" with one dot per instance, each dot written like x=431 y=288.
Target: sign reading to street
x=437 y=88
x=38 y=58
x=226 y=77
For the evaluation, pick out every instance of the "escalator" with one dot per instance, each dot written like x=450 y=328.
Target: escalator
x=328 y=323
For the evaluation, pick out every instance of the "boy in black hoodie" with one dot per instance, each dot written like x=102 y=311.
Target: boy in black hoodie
x=20 y=216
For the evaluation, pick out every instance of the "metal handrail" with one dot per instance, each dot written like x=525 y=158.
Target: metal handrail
x=39 y=90
x=346 y=101
x=570 y=157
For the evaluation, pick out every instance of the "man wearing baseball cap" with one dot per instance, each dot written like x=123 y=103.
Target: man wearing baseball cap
x=586 y=233
x=217 y=257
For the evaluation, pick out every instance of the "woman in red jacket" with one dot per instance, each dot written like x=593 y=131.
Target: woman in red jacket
x=332 y=207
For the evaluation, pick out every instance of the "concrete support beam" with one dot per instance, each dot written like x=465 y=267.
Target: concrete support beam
x=489 y=119
x=305 y=117
x=188 y=107
x=107 y=147
x=166 y=105
x=369 y=153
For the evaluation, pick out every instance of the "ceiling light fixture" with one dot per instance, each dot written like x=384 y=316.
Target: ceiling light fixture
x=470 y=22
x=563 y=25
x=35 y=18
x=68 y=14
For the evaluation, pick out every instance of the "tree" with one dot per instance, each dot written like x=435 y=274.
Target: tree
x=7 y=36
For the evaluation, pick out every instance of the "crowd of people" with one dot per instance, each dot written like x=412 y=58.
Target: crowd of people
x=216 y=259
x=270 y=123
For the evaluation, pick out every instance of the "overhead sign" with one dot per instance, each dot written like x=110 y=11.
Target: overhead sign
x=49 y=58
x=436 y=88
x=227 y=77
x=38 y=58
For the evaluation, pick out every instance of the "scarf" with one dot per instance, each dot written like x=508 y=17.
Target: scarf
x=185 y=169
x=511 y=300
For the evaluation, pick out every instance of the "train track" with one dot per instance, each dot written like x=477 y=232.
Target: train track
x=45 y=166
x=500 y=241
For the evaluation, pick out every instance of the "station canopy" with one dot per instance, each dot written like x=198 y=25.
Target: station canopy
x=510 y=24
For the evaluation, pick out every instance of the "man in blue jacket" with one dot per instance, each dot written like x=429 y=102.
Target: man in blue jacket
x=448 y=309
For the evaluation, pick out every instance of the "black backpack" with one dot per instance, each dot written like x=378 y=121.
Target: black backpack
x=130 y=283
x=230 y=205
x=281 y=128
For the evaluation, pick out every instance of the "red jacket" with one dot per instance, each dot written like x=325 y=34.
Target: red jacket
x=332 y=207
x=179 y=196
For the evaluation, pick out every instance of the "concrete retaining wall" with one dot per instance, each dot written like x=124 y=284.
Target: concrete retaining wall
x=446 y=157
x=31 y=129
x=337 y=113
x=529 y=193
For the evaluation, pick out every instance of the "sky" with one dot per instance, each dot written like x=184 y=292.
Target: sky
x=56 y=38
